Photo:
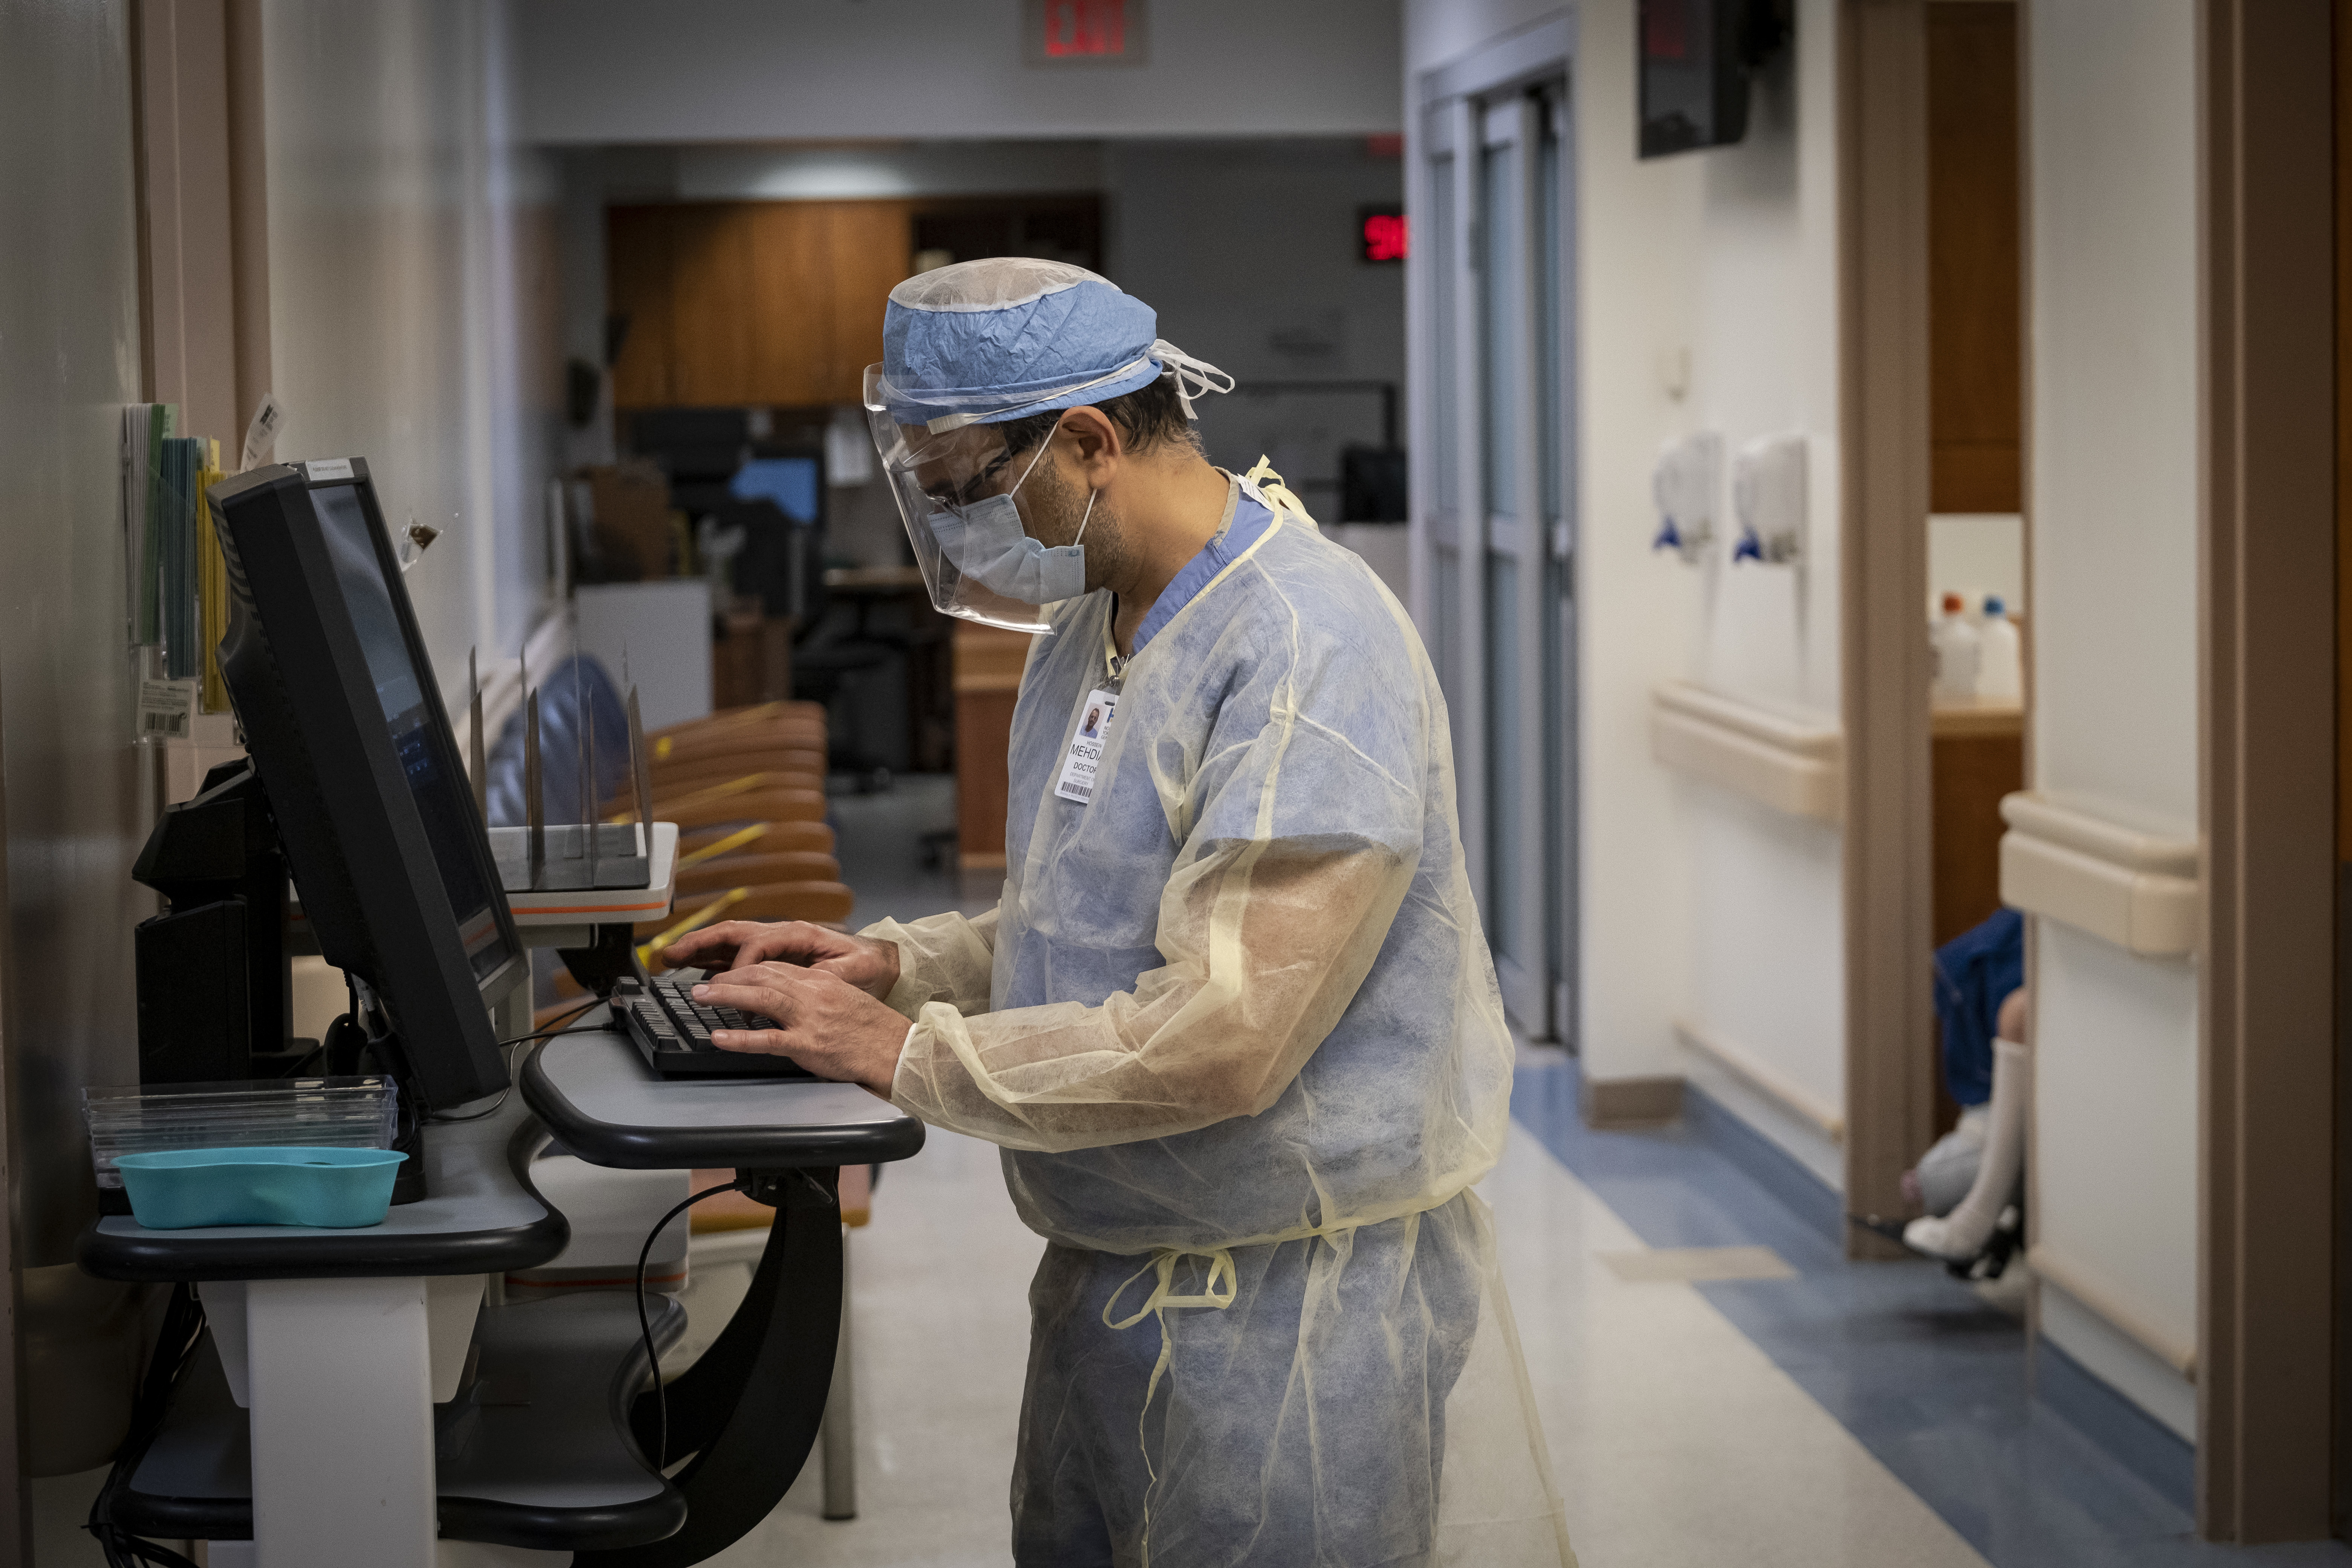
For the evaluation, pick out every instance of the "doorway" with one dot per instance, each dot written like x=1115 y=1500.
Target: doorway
x=1494 y=525
x=1976 y=526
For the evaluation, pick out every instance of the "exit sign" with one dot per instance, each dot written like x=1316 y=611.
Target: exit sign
x=1083 y=32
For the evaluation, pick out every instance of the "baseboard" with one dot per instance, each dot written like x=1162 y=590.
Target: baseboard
x=2134 y=1438
x=1611 y=1104
x=1798 y=1137
x=1766 y=1164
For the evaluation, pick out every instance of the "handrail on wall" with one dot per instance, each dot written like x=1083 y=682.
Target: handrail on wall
x=2052 y=1268
x=2086 y=864
x=1764 y=1078
x=1791 y=761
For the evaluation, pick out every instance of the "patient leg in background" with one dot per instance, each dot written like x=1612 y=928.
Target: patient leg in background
x=1948 y=1169
x=1963 y=1233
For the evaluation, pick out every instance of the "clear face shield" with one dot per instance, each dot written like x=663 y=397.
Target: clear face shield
x=955 y=489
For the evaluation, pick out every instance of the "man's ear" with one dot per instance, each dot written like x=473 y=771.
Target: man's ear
x=1095 y=442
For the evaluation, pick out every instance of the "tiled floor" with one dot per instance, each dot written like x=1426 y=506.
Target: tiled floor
x=1675 y=1437
x=1926 y=1376
x=1717 y=1384
x=940 y=1315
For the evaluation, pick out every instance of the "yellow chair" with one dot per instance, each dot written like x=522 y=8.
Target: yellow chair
x=762 y=837
x=757 y=870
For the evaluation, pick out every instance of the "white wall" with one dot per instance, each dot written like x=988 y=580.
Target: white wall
x=77 y=795
x=1249 y=252
x=1974 y=554
x=1708 y=301
x=1767 y=946
x=412 y=293
x=738 y=70
x=75 y=800
x=2113 y=502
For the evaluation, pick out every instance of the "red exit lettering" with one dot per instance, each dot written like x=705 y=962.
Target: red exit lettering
x=1085 y=27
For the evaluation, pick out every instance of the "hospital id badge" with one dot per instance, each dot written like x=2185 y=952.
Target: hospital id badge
x=1077 y=780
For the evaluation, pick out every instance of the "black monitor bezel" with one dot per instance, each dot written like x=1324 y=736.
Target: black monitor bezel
x=369 y=880
x=1742 y=34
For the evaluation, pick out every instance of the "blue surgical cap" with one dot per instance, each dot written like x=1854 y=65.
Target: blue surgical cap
x=1011 y=336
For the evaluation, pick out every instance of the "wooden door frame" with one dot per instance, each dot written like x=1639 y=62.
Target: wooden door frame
x=1882 y=581
x=2266 y=694
x=2266 y=635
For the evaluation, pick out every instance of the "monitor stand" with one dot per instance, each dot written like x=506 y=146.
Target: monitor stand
x=215 y=995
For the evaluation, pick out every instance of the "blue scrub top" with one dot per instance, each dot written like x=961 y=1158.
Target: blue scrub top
x=1251 y=519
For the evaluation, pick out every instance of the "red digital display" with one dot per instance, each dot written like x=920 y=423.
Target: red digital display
x=1383 y=234
x=1665 y=29
x=1085 y=29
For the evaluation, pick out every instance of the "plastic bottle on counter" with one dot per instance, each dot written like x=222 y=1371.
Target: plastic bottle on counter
x=1957 y=653
x=2001 y=670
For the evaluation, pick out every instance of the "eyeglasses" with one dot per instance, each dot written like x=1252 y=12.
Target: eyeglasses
x=957 y=499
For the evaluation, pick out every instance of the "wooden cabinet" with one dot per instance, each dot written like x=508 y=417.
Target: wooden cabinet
x=1978 y=757
x=638 y=286
x=738 y=303
x=1976 y=372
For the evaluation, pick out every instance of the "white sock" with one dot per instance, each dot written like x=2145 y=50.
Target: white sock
x=1962 y=1234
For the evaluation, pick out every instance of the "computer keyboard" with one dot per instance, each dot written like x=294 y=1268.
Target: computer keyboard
x=672 y=1031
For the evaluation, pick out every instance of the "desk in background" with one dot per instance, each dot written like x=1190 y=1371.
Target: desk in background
x=1978 y=752
x=988 y=664
x=878 y=659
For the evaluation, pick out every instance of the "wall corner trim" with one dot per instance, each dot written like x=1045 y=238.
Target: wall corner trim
x=1744 y=1065
x=2071 y=859
x=2052 y=1268
x=1773 y=756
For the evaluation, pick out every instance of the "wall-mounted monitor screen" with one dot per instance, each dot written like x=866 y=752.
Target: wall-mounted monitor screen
x=1698 y=57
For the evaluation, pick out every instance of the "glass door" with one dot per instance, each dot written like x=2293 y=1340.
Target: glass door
x=1498 y=534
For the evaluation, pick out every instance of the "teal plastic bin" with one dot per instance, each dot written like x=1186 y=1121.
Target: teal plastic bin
x=180 y=1189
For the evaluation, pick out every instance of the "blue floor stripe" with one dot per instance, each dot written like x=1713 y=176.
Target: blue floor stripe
x=1926 y=1376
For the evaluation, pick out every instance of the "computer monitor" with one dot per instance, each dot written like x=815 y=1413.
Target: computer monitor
x=343 y=720
x=794 y=481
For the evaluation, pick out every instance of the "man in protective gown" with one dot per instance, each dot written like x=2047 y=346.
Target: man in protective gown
x=1233 y=1021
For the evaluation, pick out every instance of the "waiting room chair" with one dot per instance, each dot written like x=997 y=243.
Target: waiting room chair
x=727 y=871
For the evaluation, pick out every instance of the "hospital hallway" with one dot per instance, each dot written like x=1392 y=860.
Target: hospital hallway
x=1708 y=1367
x=1608 y=742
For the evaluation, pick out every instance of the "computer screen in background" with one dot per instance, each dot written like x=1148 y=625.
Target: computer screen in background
x=793 y=483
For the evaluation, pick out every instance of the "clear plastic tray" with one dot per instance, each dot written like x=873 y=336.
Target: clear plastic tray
x=321 y=1113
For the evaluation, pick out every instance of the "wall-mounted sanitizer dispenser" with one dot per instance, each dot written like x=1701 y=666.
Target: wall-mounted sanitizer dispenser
x=1768 y=500
x=1685 y=484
